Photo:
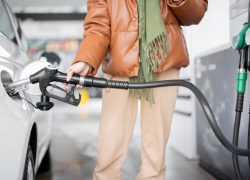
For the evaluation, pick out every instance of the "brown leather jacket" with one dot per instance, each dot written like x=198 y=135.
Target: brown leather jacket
x=111 y=34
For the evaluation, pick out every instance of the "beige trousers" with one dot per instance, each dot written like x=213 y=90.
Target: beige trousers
x=117 y=125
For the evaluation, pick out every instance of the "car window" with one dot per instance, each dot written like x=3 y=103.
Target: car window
x=5 y=25
x=16 y=25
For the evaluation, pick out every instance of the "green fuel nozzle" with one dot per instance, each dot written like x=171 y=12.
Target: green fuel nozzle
x=241 y=42
x=242 y=39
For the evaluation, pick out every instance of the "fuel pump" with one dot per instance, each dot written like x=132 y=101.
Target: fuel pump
x=241 y=43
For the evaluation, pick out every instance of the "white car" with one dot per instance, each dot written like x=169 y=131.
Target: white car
x=25 y=131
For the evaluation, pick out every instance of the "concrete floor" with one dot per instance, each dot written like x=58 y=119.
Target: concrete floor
x=73 y=148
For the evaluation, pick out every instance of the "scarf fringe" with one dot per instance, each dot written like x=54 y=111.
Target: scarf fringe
x=141 y=93
x=157 y=51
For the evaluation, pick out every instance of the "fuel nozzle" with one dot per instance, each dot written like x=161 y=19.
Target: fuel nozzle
x=50 y=74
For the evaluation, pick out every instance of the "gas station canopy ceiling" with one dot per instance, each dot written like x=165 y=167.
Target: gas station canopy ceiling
x=48 y=5
x=49 y=9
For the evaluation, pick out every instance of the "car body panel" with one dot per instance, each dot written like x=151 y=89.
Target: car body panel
x=18 y=116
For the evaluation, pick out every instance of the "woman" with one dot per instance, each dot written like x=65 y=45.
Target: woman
x=137 y=41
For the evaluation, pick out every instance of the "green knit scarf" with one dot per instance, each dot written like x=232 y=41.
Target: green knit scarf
x=154 y=45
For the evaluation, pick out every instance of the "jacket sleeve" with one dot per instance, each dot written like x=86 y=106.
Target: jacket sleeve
x=188 y=12
x=96 y=35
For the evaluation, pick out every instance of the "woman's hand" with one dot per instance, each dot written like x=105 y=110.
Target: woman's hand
x=81 y=68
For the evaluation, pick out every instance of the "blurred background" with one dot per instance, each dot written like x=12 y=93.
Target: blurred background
x=52 y=31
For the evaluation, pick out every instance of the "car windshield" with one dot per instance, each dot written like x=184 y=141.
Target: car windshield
x=5 y=25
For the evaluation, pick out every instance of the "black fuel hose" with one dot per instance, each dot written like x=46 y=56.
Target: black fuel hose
x=248 y=142
x=238 y=110
x=235 y=142
x=243 y=66
x=104 y=83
